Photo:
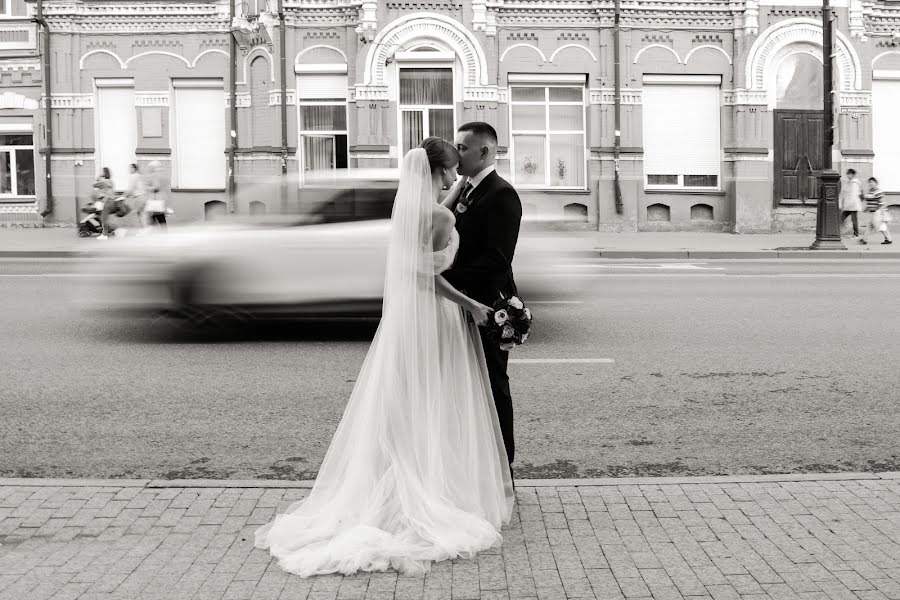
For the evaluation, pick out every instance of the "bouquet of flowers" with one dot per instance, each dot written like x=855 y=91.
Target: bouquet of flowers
x=510 y=322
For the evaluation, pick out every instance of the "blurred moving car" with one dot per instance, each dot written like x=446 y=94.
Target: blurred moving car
x=323 y=255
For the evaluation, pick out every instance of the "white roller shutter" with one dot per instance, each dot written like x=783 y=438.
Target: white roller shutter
x=200 y=135
x=886 y=132
x=314 y=86
x=116 y=131
x=681 y=129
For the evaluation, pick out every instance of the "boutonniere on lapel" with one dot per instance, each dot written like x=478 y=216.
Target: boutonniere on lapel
x=464 y=199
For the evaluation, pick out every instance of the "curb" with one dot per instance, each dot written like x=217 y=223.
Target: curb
x=745 y=255
x=558 y=483
x=39 y=254
x=605 y=254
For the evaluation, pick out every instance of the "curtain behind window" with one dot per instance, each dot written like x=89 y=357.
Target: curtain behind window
x=426 y=86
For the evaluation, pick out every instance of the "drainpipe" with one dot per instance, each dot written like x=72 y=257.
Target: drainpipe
x=48 y=123
x=617 y=147
x=283 y=51
x=232 y=95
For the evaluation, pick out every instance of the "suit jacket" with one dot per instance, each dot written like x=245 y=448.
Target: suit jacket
x=488 y=232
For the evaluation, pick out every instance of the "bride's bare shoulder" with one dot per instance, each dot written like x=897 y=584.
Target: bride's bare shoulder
x=442 y=222
x=442 y=216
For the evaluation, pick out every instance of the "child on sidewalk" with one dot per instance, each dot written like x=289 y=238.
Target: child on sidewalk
x=877 y=206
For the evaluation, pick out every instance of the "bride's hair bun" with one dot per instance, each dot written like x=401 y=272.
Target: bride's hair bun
x=441 y=153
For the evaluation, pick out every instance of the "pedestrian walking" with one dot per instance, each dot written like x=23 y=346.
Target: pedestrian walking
x=136 y=197
x=103 y=192
x=877 y=206
x=155 y=206
x=850 y=201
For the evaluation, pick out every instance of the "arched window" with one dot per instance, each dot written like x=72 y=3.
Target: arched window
x=259 y=102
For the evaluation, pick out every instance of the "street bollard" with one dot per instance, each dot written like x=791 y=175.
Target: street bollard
x=828 y=222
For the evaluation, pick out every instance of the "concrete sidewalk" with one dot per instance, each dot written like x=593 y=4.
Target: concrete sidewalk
x=62 y=242
x=828 y=536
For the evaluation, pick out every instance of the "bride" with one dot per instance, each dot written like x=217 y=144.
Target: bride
x=416 y=471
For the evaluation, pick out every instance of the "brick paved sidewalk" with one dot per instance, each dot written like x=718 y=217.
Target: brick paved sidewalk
x=820 y=537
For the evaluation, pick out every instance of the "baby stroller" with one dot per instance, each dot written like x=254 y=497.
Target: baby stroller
x=90 y=225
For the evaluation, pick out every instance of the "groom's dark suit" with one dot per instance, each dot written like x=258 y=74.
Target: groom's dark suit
x=488 y=232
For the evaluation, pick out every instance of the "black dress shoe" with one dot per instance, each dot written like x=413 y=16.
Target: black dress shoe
x=887 y=242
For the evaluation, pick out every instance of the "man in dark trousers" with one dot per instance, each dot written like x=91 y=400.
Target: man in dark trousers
x=488 y=214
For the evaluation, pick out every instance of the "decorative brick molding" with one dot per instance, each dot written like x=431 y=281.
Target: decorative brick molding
x=426 y=25
x=369 y=92
x=485 y=93
x=522 y=36
x=786 y=36
x=607 y=96
x=14 y=100
x=242 y=100
x=79 y=17
x=855 y=98
x=69 y=101
x=742 y=97
x=20 y=65
x=151 y=98
x=367 y=20
x=484 y=18
x=275 y=97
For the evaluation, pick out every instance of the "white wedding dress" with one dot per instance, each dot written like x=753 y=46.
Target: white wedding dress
x=416 y=471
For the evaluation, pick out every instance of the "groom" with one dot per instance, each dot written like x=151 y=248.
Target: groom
x=488 y=213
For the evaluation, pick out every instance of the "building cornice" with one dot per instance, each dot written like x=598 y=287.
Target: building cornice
x=80 y=16
x=866 y=17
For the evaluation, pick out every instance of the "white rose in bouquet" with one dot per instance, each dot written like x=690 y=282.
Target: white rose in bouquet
x=528 y=314
x=524 y=337
x=501 y=317
x=508 y=332
x=516 y=303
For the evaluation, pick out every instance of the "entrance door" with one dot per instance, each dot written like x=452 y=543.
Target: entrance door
x=799 y=135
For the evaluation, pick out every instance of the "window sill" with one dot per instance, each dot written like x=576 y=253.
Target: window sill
x=18 y=199
x=210 y=190
x=798 y=203
x=685 y=191
x=553 y=190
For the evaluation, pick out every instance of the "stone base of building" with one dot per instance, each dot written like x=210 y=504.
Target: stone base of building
x=799 y=219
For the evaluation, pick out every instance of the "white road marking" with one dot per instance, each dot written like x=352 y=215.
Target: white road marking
x=556 y=361
x=110 y=275
x=666 y=266
x=718 y=275
x=556 y=302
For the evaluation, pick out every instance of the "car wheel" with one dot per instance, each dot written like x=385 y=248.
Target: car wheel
x=194 y=310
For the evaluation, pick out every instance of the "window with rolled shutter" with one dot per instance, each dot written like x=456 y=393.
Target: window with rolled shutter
x=322 y=119
x=319 y=86
x=199 y=134
x=116 y=126
x=682 y=143
x=886 y=132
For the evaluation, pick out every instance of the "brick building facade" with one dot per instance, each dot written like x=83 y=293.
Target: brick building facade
x=720 y=104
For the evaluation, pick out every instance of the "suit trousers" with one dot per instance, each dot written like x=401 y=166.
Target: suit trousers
x=497 y=361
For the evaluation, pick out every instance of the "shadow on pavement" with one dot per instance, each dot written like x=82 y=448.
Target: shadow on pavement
x=164 y=330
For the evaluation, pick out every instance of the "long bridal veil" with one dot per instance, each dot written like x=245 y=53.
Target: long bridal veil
x=397 y=486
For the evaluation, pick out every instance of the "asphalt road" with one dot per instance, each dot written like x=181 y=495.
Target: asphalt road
x=718 y=368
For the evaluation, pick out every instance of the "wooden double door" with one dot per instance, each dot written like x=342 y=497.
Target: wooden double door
x=799 y=160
